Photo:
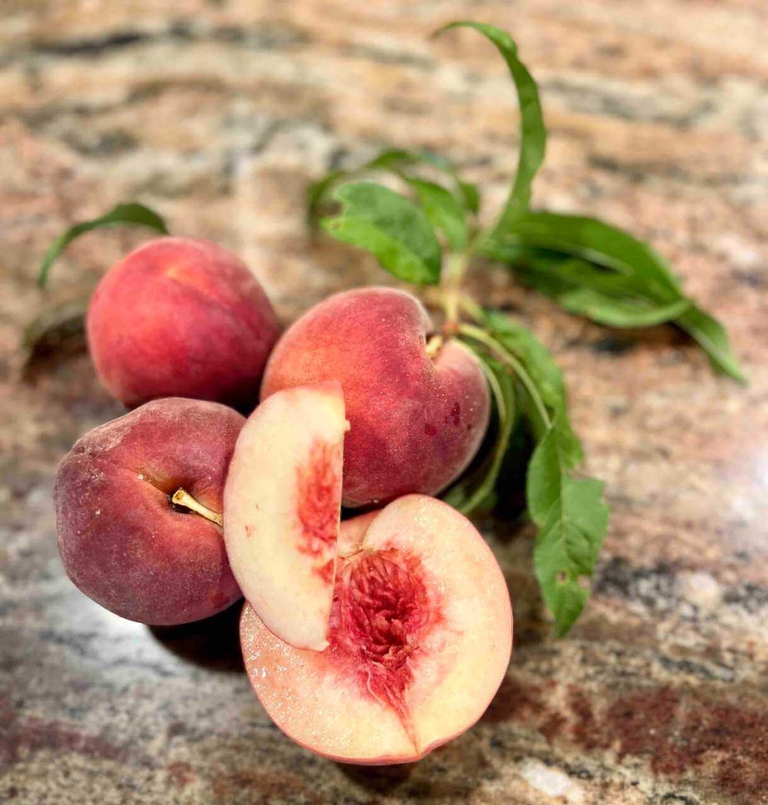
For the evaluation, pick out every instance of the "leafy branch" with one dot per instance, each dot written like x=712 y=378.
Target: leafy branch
x=570 y=514
x=586 y=265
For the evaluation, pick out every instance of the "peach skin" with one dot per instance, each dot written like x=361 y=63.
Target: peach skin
x=417 y=419
x=181 y=317
x=138 y=512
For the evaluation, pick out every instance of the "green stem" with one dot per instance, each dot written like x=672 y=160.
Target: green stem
x=457 y=268
x=434 y=345
x=501 y=354
x=472 y=309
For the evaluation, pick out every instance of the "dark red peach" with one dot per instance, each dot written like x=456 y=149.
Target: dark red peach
x=124 y=542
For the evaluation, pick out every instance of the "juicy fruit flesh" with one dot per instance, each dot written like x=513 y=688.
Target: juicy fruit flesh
x=382 y=611
x=282 y=506
x=420 y=639
x=319 y=492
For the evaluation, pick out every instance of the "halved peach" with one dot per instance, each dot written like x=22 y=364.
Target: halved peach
x=420 y=637
x=282 y=504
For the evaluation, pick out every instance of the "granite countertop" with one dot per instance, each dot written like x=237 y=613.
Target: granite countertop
x=218 y=113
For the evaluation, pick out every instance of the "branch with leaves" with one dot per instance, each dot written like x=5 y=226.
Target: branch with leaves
x=429 y=234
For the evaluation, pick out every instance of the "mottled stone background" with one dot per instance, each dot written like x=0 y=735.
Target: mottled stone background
x=218 y=113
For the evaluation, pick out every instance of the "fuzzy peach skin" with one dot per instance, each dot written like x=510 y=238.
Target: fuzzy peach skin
x=420 y=639
x=181 y=317
x=122 y=541
x=416 y=421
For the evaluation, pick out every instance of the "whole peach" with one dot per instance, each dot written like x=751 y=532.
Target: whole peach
x=416 y=420
x=181 y=317
x=124 y=543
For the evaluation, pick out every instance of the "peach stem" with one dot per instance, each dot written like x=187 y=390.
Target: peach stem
x=457 y=267
x=434 y=345
x=182 y=498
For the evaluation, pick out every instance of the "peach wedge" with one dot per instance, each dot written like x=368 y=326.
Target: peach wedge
x=419 y=640
x=282 y=504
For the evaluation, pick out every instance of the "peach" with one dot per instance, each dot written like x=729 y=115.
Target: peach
x=420 y=637
x=282 y=504
x=138 y=512
x=181 y=317
x=417 y=419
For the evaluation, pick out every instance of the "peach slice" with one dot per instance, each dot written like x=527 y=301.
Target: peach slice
x=282 y=504
x=420 y=637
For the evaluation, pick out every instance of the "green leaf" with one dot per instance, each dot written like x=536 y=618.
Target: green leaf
x=132 y=214
x=55 y=324
x=533 y=132
x=317 y=192
x=468 y=194
x=556 y=273
x=615 y=312
x=401 y=163
x=569 y=513
x=392 y=158
x=546 y=377
x=572 y=521
x=599 y=271
x=595 y=242
x=443 y=210
x=476 y=489
x=712 y=337
x=603 y=296
x=389 y=226
x=471 y=196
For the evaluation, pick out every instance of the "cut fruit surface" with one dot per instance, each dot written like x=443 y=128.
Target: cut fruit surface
x=420 y=637
x=282 y=504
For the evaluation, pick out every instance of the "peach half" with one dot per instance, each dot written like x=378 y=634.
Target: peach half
x=419 y=639
x=282 y=505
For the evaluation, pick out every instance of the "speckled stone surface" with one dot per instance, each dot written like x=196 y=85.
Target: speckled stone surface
x=218 y=113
